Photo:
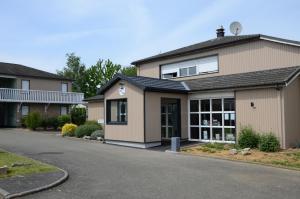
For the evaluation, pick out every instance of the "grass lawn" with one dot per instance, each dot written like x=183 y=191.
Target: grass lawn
x=289 y=158
x=30 y=166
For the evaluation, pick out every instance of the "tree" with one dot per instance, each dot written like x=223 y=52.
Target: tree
x=98 y=75
x=74 y=70
x=129 y=71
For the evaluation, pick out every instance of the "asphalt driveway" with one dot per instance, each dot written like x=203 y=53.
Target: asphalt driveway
x=105 y=171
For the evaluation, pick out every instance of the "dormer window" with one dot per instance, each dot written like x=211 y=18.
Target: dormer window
x=190 y=67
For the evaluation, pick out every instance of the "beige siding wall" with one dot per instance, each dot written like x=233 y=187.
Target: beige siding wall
x=44 y=84
x=259 y=55
x=292 y=113
x=96 y=110
x=265 y=116
x=153 y=114
x=134 y=130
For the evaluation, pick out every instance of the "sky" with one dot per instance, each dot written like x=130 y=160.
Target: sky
x=39 y=33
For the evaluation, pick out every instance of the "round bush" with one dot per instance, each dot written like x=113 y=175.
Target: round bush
x=33 y=120
x=248 y=138
x=86 y=130
x=68 y=130
x=96 y=134
x=78 y=115
x=63 y=119
x=52 y=122
x=269 y=143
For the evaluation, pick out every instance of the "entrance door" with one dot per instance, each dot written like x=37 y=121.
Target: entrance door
x=170 y=118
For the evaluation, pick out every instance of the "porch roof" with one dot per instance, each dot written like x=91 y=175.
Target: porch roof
x=274 y=77
x=148 y=84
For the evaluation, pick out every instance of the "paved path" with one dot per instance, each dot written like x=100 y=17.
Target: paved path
x=106 y=171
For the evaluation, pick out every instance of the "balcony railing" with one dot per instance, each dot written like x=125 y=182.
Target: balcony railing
x=40 y=96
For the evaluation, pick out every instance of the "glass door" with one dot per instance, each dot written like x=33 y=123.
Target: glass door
x=169 y=120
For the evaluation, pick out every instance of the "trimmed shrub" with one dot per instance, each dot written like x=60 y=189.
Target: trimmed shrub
x=86 y=130
x=44 y=123
x=23 y=122
x=78 y=115
x=269 y=143
x=63 y=119
x=52 y=122
x=248 y=138
x=33 y=120
x=93 y=122
x=68 y=130
x=97 y=133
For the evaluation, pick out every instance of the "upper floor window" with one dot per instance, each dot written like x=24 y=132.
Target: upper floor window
x=64 y=87
x=24 y=110
x=190 y=67
x=25 y=85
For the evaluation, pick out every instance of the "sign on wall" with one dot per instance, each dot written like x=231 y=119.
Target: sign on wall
x=122 y=89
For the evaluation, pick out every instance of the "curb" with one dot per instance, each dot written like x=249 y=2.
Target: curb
x=5 y=195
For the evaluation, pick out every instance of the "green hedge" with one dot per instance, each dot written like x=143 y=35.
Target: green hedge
x=86 y=130
x=269 y=143
x=78 y=115
x=63 y=119
x=248 y=138
x=33 y=120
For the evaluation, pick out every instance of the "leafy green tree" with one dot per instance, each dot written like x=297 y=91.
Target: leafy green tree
x=74 y=70
x=107 y=70
x=129 y=71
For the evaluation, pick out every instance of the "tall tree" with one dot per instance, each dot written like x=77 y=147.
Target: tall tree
x=74 y=70
x=129 y=71
x=98 y=75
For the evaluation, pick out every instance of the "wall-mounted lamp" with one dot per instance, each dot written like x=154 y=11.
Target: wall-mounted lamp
x=252 y=105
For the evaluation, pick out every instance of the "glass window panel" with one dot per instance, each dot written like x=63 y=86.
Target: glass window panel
x=205 y=119
x=183 y=71
x=205 y=133
x=192 y=70
x=170 y=120
x=25 y=85
x=195 y=133
x=194 y=106
x=217 y=105
x=64 y=87
x=63 y=110
x=229 y=134
x=205 y=105
x=170 y=108
x=170 y=132
x=194 y=119
x=229 y=119
x=123 y=118
x=229 y=104
x=113 y=111
x=163 y=109
x=163 y=119
x=217 y=119
x=25 y=110
x=163 y=132
x=217 y=134
x=123 y=106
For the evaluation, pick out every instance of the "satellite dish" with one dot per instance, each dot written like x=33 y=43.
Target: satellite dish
x=236 y=28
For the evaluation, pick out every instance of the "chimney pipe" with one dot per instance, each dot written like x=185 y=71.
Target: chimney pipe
x=220 y=32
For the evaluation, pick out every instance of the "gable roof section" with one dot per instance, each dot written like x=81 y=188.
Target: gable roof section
x=213 y=44
x=95 y=98
x=277 y=77
x=25 y=71
x=147 y=84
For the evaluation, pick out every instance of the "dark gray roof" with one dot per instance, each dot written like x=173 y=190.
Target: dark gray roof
x=25 y=71
x=148 y=84
x=211 y=44
x=275 y=77
x=95 y=98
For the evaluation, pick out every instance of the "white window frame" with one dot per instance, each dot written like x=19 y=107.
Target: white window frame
x=62 y=110
x=26 y=107
x=64 y=87
x=28 y=84
x=200 y=126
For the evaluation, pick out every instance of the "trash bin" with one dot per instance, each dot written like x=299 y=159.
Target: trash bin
x=175 y=144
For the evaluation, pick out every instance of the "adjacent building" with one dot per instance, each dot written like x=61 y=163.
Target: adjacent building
x=24 y=90
x=207 y=92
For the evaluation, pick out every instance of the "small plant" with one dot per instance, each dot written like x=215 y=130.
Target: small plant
x=44 y=123
x=96 y=134
x=248 y=138
x=68 y=130
x=269 y=143
x=23 y=122
x=217 y=146
x=86 y=130
x=78 y=115
x=52 y=122
x=63 y=119
x=33 y=120
x=92 y=122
